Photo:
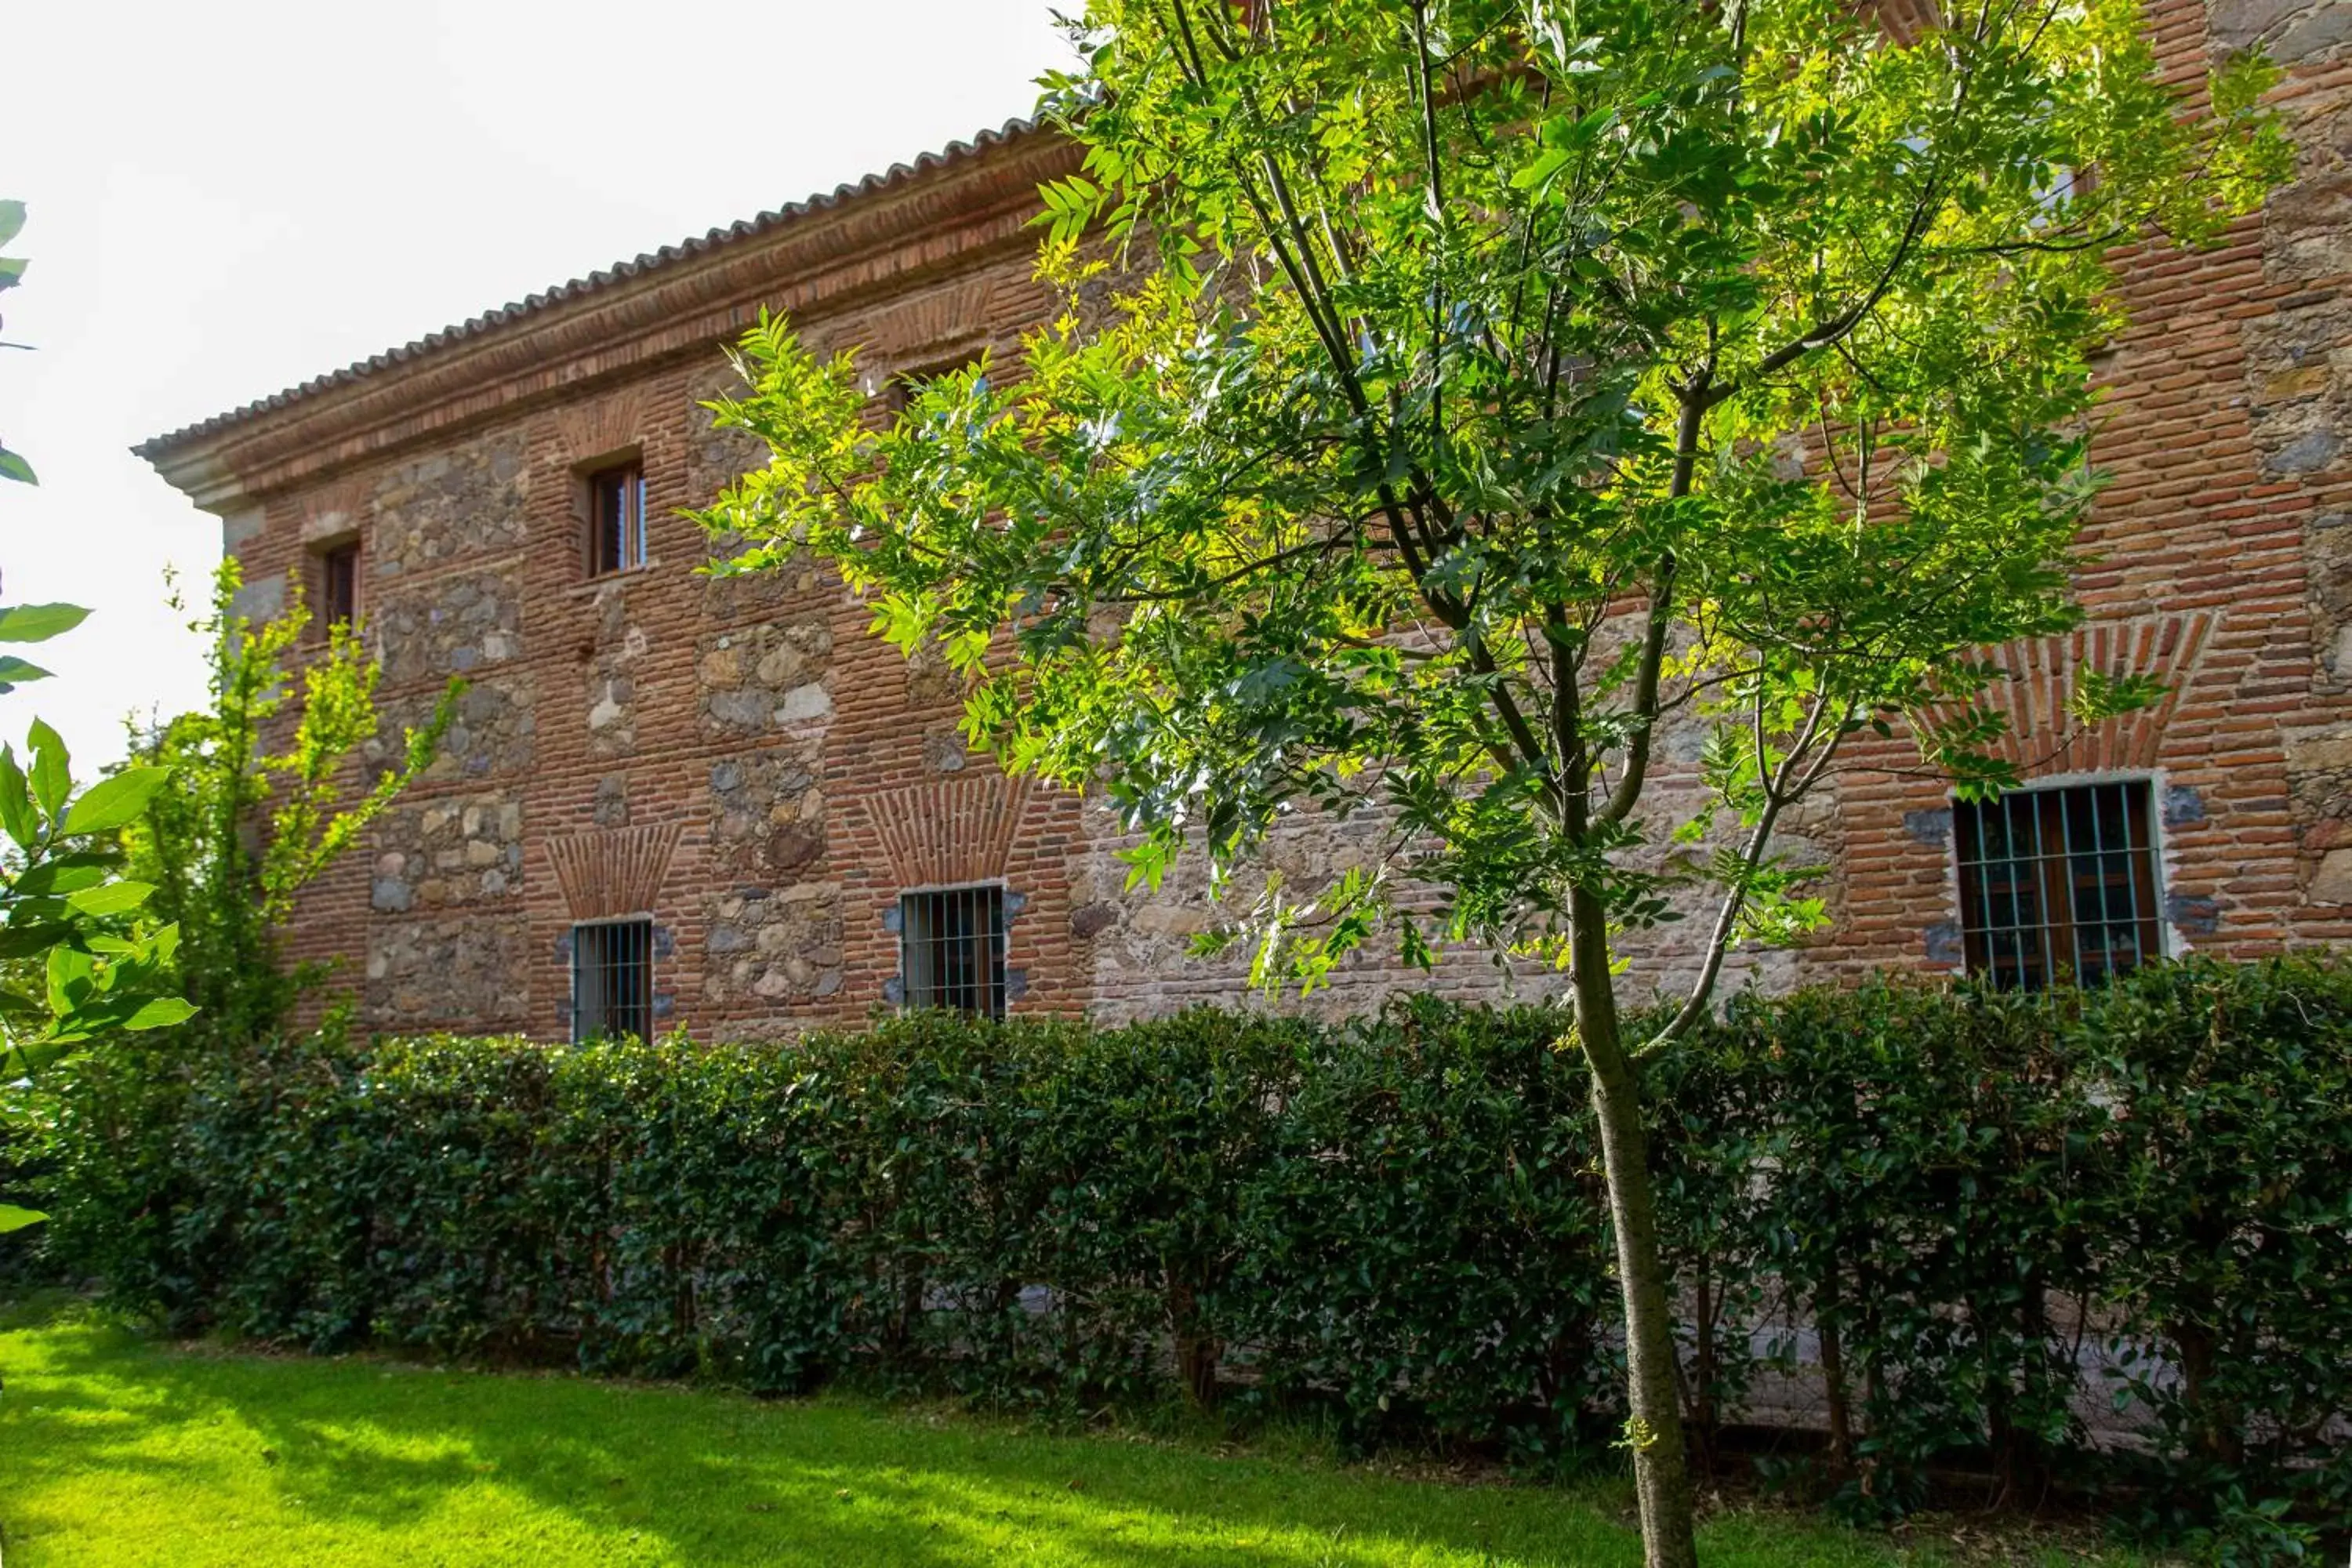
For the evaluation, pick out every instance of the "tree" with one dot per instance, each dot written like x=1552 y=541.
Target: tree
x=79 y=954
x=12 y=272
x=262 y=802
x=24 y=623
x=1453 y=394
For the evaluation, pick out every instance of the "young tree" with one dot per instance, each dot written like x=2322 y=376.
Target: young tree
x=261 y=802
x=1455 y=393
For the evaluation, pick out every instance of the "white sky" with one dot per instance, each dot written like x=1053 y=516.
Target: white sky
x=227 y=199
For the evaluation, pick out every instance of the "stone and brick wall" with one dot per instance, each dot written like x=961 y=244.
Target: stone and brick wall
x=739 y=759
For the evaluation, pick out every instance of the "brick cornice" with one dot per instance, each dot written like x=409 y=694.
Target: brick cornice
x=860 y=249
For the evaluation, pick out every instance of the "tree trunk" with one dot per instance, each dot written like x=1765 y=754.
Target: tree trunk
x=1825 y=1324
x=1661 y=1478
x=1197 y=1353
x=1706 y=1419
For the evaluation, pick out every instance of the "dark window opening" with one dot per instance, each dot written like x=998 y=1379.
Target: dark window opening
x=339 y=587
x=2058 y=885
x=617 y=519
x=953 y=949
x=612 y=980
x=908 y=384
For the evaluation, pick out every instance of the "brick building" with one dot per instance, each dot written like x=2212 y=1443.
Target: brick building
x=675 y=798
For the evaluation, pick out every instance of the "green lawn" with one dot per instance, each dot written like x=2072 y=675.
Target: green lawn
x=117 y=1450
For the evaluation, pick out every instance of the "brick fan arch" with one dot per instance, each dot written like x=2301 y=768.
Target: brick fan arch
x=615 y=870
x=949 y=831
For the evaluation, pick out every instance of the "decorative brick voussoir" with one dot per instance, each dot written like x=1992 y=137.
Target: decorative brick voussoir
x=958 y=830
x=613 y=871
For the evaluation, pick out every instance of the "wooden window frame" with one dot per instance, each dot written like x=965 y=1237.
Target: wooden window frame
x=325 y=560
x=614 y=545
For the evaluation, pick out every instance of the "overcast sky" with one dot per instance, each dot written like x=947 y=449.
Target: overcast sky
x=227 y=199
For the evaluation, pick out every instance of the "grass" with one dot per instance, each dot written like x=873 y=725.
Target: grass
x=120 y=1450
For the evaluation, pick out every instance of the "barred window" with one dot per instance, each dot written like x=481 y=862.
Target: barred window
x=617 y=519
x=2058 y=885
x=612 y=980
x=952 y=946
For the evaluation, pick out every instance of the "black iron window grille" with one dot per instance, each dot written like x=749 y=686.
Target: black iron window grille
x=951 y=949
x=612 y=979
x=617 y=519
x=2058 y=885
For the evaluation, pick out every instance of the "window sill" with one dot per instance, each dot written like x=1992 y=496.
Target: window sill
x=587 y=588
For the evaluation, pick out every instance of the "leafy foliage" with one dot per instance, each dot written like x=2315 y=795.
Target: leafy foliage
x=12 y=272
x=99 y=962
x=1461 y=393
x=1988 y=1208
x=76 y=958
x=78 y=954
x=267 y=795
x=1441 y=333
x=81 y=955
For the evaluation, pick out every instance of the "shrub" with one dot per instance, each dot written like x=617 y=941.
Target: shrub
x=1986 y=1212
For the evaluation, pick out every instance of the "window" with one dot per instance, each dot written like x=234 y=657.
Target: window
x=339 y=586
x=617 y=519
x=2058 y=885
x=612 y=980
x=951 y=949
x=908 y=384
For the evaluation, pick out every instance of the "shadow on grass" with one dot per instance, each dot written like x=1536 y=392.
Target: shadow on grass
x=396 y=1461
x=357 y=1447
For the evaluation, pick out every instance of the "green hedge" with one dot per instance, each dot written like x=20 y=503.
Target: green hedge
x=1966 y=1202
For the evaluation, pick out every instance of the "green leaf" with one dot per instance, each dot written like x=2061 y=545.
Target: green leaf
x=52 y=769
x=16 y=671
x=112 y=897
x=11 y=220
x=117 y=801
x=12 y=466
x=39 y=623
x=65 y=874
x=72 y=980
x=16 y=802
x=161 y=1014
x=14 y=1219
x=12 y=272
x=30 y=940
